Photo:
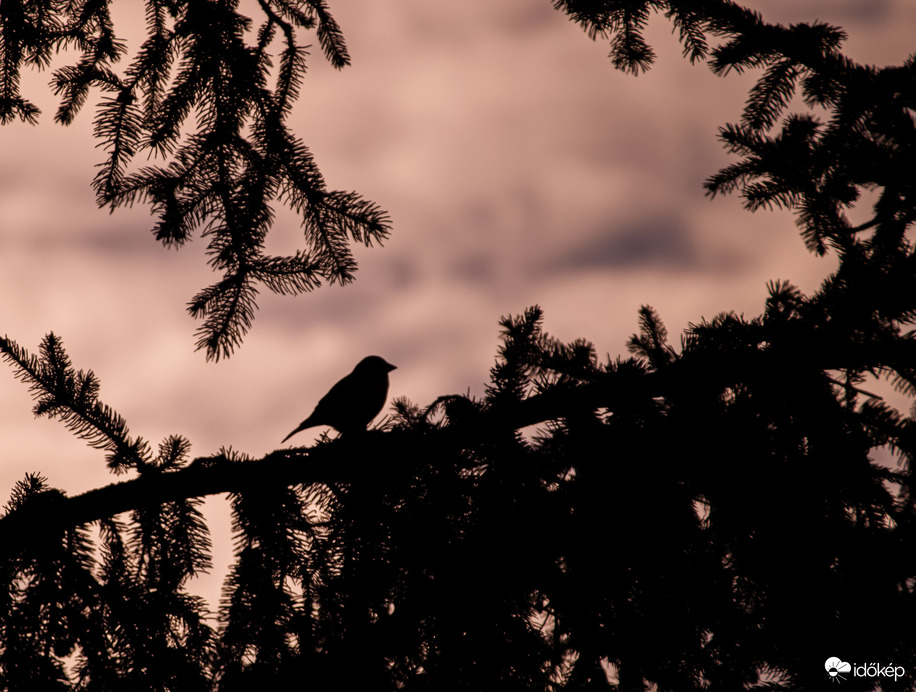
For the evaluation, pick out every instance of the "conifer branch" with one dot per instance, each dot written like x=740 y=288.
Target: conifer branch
x=72 y=397
x=816 y=169
x=221 y=174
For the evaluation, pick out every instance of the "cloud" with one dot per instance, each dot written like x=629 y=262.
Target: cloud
x=640 y=244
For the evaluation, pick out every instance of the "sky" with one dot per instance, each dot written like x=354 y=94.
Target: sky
x=518 y=168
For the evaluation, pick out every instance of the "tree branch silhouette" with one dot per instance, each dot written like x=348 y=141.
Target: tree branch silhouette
x=383 y=534
x=221 y=176
x=708 y=517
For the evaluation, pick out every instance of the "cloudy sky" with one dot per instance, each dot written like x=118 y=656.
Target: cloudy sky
x=518 y=167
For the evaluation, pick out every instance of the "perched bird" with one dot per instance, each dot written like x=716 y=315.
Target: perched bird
x=354 y=401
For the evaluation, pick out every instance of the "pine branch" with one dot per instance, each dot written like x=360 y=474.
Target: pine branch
x=652 y=342
x=222 y=172
x=228 y=309
x=287 y=275
x=72 y=397
x=629 y=50
x=689 y=21
x=326 y=463
x=817 y=172
x=330 y=35
x=770 y=95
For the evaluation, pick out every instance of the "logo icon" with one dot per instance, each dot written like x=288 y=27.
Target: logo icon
x=835 y=667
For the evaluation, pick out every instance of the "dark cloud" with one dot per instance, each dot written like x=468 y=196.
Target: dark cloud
x=524 y=18
x=474 y=267
x=651 y=242
x=843 y=12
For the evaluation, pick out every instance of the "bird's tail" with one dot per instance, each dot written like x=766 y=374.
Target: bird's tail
x=307 y=423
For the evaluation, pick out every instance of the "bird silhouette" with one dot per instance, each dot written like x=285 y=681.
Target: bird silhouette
x=354 y=401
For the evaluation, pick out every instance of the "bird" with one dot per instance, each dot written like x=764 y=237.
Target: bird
x=354 y=401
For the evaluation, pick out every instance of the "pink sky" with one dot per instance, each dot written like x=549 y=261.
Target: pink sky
x=518 y=167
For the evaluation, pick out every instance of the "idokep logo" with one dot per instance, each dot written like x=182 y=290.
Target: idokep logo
x=835 y=669
x=839 y=670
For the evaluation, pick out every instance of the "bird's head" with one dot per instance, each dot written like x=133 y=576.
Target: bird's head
x=374 y=364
